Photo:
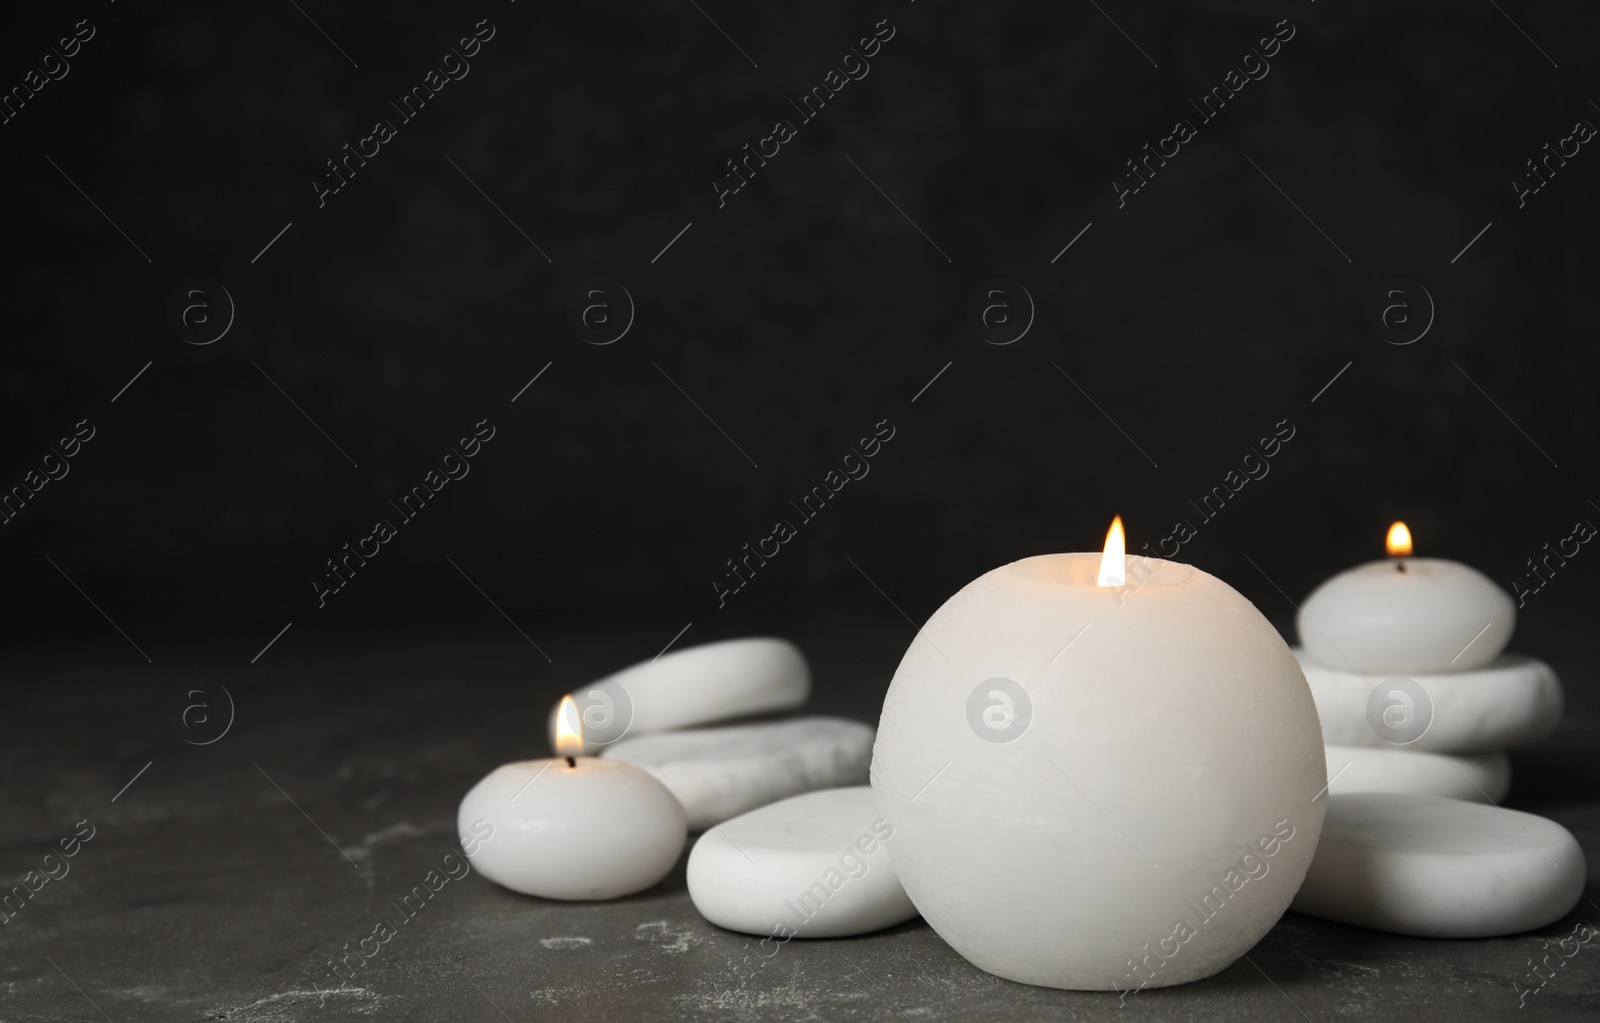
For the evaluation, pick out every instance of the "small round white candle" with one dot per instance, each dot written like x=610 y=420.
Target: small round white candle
x=1157 y=808
x=573 y=827
x=1406 y=614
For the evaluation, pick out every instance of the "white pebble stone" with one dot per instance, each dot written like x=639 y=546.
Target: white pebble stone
x=1480 y=777
x=1512 y=701
x=720 y=773
x=695 y=686
x=1440 y=868
x=814 y=866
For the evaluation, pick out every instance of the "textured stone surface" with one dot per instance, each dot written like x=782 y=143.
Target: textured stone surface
x=720 y=773
x=1479 y=777
x=1514 y=700
x=691 y=688
x=1440 y=868
x=205 y=892
x=814 y=866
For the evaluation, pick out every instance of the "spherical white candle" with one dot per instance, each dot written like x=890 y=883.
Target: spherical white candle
x=1149 y=794
x=1406 y=614
x=573 y=827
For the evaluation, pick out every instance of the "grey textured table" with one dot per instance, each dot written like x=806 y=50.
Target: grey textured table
x=222 y=882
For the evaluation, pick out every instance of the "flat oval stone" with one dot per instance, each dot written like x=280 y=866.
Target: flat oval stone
x=1479 y=777
x=1514 y=700
x=1440 y=868
x=814 y=866
x=698 y=685
x=720 y=773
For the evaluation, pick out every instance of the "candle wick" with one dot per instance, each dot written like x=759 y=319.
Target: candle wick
x=1399 y=565
x=571 y=762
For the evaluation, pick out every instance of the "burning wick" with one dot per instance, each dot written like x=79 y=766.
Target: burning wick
x=569 y=731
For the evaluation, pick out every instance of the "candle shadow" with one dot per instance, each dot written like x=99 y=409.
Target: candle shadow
x=1587 y=911
x=1298 y=954
x=1301 y=955
x=675 y=883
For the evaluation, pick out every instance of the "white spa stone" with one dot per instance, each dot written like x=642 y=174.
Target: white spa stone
x=1435 y=616
x=719 y=773
x=813 y=866
x=1479 y=777
x=597 y=830
x=1440 y=868
x=1512 y=701
x=1073 y=769
x=695 y=686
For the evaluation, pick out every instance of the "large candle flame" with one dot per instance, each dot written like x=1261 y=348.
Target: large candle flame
x=1398 y=541
x=569 y=730
x=1114 y=562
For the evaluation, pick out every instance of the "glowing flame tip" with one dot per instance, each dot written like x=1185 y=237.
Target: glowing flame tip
x=1398 y=541
x=1114 y=561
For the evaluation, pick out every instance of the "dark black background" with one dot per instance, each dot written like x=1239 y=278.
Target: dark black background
x=806 y=310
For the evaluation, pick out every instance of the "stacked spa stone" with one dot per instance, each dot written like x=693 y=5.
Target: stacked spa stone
x=1406 y=708
x=793 y=845
x=1418 y=703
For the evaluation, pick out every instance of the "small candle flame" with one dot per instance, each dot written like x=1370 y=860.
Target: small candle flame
x=1399 y=541
x=1114 y=562
x=569 y=730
